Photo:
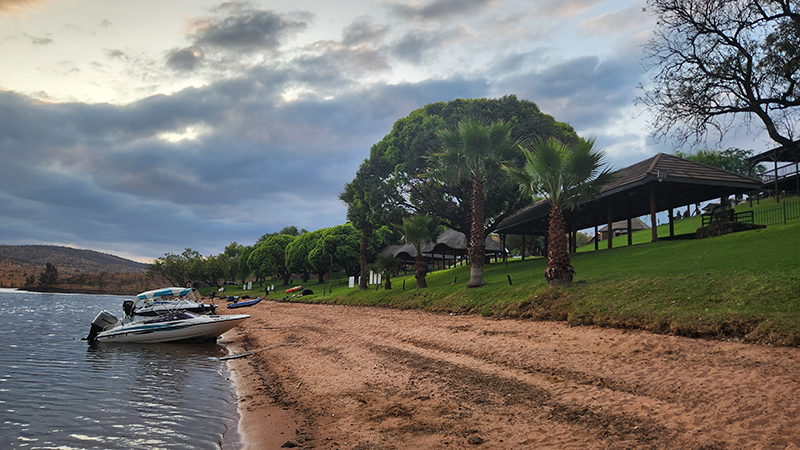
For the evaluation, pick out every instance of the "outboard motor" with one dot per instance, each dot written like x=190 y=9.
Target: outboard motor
x=103 y=320
x=127 y=308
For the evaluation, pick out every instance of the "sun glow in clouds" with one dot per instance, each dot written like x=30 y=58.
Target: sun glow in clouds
x=190 y=133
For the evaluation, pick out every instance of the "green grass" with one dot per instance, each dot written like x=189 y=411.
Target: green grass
x=738 y=286
x=683 y=226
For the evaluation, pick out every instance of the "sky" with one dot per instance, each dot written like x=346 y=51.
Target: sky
x=148 y=127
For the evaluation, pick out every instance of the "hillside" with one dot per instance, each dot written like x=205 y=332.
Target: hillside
x=19 y=261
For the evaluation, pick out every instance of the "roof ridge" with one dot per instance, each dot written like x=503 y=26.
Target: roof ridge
x=655 y=161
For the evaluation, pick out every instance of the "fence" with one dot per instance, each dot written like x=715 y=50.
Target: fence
x=778 y=214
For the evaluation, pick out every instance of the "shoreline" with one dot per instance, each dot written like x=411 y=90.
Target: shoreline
x=262 y=423
x=338 y=377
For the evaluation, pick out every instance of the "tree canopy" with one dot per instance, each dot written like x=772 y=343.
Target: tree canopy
x=297 y=260
x=419 y=231
x=719 y=60
x=269 y=258
x=565 y=176
x=731 y=159
x=400 y=159
x=470 y=153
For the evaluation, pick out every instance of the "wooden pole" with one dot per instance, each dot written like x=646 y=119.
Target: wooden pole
x=775 y=161
x=653 y=226
x=610 y=230
x=596 y=239
x=630 y=232
x=671 y=224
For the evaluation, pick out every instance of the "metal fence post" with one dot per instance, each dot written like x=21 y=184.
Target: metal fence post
x=784 y=213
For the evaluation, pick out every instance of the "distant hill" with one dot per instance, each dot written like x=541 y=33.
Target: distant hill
x=68 y=260
x=20 y=261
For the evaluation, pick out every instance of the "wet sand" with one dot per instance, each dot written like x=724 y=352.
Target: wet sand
x=340 y=377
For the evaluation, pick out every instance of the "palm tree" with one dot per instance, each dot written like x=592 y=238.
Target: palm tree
x=565 y=177
x=388 y=266
x=470 y=152
x=419 y=231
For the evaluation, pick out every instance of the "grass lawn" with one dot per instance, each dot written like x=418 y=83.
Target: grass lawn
x=738 y=286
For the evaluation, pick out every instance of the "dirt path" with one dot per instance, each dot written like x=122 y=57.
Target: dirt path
x=365 y=378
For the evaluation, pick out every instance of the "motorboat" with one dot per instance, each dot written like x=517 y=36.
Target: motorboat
x=183 y=326
x=170 y=323
x=167 y=301
x=245 y=303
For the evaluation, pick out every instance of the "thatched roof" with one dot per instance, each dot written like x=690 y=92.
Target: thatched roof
x=450 y=242
x=636 y=224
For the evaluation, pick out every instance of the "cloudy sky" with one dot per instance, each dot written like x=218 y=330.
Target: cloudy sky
x=145 y=127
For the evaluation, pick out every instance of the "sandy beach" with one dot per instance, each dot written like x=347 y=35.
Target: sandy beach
x=340 y=377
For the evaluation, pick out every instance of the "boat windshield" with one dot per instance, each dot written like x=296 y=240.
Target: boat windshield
x=179 y=316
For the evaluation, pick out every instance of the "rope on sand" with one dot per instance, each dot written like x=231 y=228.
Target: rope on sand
x=243 y=354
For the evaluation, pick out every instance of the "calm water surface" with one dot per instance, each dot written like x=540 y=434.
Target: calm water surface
x=57 y=392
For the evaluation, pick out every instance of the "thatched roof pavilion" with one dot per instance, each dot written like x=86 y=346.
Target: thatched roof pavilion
x=448 y=248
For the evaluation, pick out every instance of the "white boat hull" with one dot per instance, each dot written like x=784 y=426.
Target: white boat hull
x=195 y=328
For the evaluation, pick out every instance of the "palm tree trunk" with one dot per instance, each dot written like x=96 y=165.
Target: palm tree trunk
x=477 y=240
x=559 y=271
x=362 y=282
x=420 y=270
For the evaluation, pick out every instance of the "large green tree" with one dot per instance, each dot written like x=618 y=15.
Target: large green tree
x=371 y=204
x=402 y=156
x=297 y=260
x=718 y=60
x=179 y=270
x=269 y=258
x=339 y=246
x=472 y=152
x=565 y=176
x=419 y=231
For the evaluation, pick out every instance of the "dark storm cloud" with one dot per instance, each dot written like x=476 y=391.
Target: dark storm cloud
x=231 y=29
x=96 y=175
x=247 y=29
x=584 y=91
x=185 y=59
x=332 y=65
x=438 y=9
x=414 y=44
x=363 y=30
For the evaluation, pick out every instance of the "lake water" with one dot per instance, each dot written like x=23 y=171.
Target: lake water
x=57 y=392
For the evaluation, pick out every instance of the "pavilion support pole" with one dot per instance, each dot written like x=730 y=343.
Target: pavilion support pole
x=777 y=193
x=596 y=238
x=653 y=226
x=671 y=224
x=523 y=247
x=610 y=230
x=630 y=232
x=505 y=255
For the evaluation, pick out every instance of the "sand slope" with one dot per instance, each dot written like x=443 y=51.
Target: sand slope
x=370 y=378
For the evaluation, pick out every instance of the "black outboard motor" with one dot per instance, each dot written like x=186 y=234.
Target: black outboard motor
x=103 y=321
x=127 y=308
